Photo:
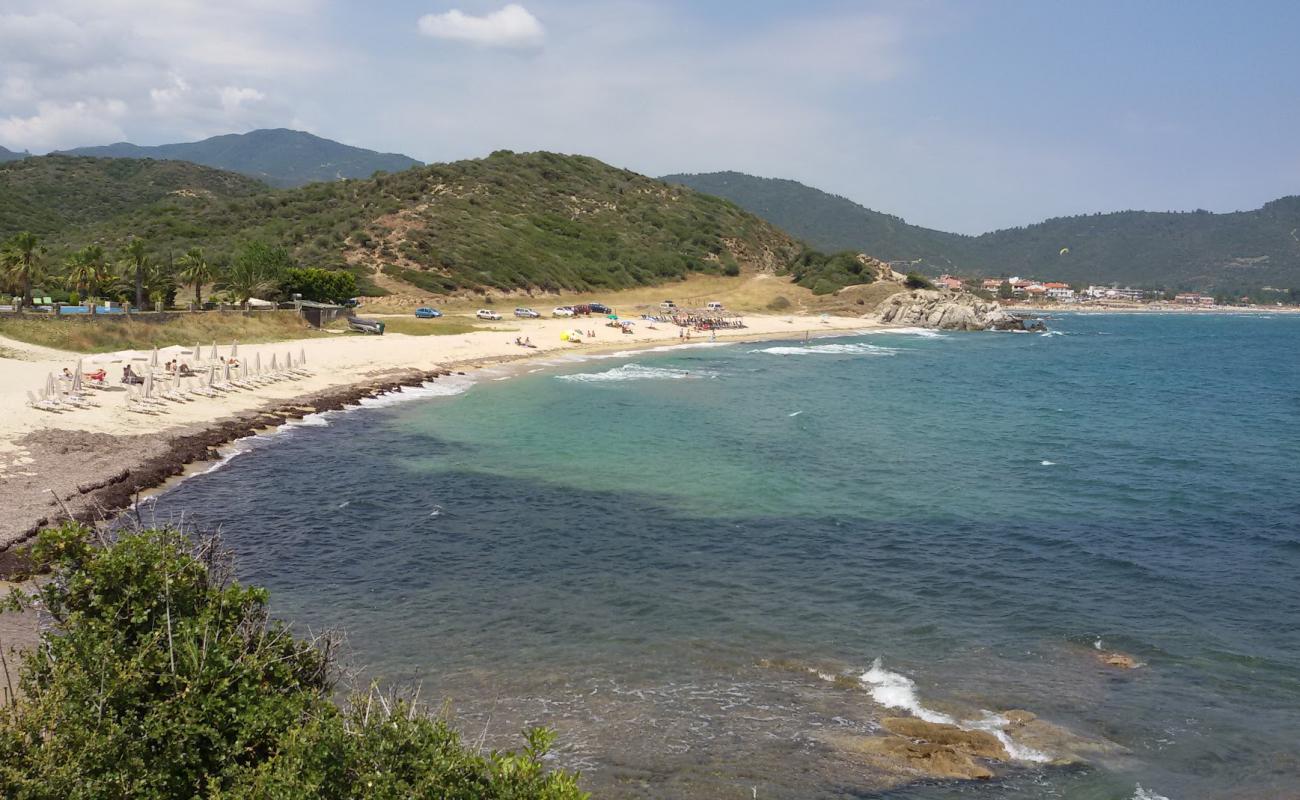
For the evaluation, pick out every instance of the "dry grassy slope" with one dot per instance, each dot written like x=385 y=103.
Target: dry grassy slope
x=550 y=222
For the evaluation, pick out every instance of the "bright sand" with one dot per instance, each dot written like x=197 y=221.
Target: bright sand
x=333 y=362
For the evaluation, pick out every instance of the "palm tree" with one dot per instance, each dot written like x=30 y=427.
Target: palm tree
x=86 y=270
x=248 y=279
x=135 y=257
x=196 y=271
x=21 y=261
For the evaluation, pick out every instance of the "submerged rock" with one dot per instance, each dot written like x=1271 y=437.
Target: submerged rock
x=980 y=744
x=1117 y=659
x=949 y=311
x=1062 y=746
x=911 y=759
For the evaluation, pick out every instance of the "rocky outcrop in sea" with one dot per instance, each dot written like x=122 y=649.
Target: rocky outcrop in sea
x=951 y=311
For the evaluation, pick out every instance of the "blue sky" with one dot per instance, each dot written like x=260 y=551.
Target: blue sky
x=964 y=116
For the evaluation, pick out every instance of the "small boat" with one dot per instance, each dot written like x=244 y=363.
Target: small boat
x=366 y=325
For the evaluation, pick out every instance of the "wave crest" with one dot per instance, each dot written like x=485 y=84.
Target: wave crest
x=849 y=349
x=635 y=372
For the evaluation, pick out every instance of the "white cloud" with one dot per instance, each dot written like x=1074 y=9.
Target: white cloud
x=512 y=26
x=233 y=98
x=180 y=70
x=53 y=123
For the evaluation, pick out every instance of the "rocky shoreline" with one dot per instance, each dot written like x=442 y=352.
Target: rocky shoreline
x=951 y=311
x=89 y=477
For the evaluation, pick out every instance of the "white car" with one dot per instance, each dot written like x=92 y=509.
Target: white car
x=526 y=313
x=484 y=313
x=562 y=311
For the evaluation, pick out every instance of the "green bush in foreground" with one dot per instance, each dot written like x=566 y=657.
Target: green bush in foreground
x=160 y=677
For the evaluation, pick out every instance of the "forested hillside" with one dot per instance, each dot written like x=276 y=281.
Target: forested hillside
x=57 y=195
x=1233 y=252
x=536 y=220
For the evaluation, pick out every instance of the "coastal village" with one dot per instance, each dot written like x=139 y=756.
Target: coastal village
x=1016 y=290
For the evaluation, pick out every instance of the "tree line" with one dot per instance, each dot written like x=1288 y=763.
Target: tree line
x=140 y=276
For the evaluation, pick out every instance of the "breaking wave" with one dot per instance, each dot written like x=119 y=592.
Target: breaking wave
x=635 y=372
x=924 y=333
x=838 y=349
x=894 y=690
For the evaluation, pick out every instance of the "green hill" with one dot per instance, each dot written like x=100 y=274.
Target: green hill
x=279 y=157
x=58 y=195
x=1228 y=253
x=827 y=221
x=531 y=221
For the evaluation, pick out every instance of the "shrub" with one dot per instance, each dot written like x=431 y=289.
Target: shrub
x=916 y=280
x=779 y=303
x=320 y=285
x=158 y=676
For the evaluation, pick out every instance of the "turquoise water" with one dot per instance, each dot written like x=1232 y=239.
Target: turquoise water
x=657 y=553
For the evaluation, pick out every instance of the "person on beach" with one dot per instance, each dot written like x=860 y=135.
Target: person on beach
x=184 y=369
x=129 y=375
x=67 y=374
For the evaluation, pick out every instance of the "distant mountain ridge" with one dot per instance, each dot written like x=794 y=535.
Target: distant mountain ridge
x=9 y=155
x=1230 y=252
x=277 y=156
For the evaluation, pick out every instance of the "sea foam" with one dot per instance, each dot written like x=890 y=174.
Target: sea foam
x=894 y=690
x=924 y=333
x=635 y=372
x=838 y=349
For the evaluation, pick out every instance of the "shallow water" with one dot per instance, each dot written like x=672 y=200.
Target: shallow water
x=657 y=553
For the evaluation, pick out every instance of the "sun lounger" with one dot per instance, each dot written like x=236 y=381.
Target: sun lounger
x=43 y=405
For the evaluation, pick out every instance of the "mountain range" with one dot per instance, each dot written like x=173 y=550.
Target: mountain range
x=1227 y=253
x=279 y=157
x=9 y=155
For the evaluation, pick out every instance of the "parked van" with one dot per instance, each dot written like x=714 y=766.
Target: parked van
x=668 y=305
x=713 y=305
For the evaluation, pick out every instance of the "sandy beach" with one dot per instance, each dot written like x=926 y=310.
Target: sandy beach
x=90 y=462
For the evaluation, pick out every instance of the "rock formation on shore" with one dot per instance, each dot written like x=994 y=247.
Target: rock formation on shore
x=952 y=311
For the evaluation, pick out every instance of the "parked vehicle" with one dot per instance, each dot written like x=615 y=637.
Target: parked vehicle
x=600 y=308
x=484 y=313
x=526 y=313
x=713 y=305
x=366 y=325
x=425 y=312
x=562 y=311
x=668 y=305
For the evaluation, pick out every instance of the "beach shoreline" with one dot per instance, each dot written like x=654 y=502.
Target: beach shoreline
x=92 y=464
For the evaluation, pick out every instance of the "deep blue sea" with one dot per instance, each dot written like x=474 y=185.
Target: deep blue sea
x=670 y=556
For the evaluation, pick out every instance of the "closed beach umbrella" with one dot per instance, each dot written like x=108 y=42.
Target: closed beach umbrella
x=76 y=377
x=302 y=356
x=213 y=355
x=257 y=363
x=153 y=358
x=274 y=366
x=234 y=349
x=148 y=385
x=225 y=373
x=243 y=368
x=51 y=386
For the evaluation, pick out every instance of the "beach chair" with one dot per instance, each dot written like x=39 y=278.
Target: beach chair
x=43 y=405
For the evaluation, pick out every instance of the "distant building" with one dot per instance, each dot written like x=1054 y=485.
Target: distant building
x=1193 y=299
x=1061 y=292
x=948 y=282
x=1113 y=293
x=991 y=284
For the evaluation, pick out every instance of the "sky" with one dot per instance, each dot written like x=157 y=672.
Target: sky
x=964 y=116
